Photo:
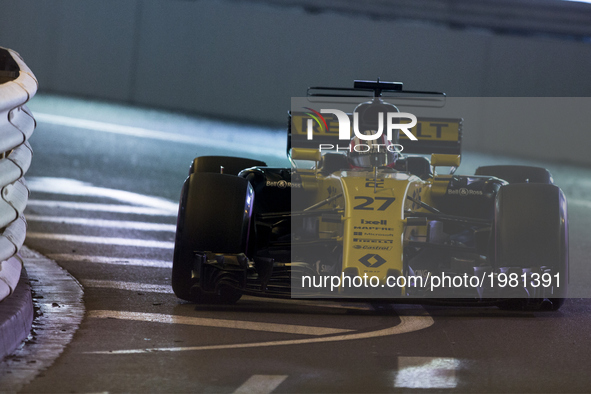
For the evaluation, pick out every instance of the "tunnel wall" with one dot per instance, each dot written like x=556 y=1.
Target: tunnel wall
x=245 y=60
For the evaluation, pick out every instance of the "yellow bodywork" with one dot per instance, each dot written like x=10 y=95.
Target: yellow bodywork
x=373 y=205
x=373 y=229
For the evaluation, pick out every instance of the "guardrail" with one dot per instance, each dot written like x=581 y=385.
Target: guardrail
x=17 y=86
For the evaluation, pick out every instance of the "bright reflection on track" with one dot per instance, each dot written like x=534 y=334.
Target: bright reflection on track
x=231 y=142
x=140 y=243
x=77 y=188
x=87 y=206
x=111 y=260
x=142 y=226
x=426 y=372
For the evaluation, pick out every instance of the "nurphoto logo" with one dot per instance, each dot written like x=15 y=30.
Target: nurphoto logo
x=345 y=124
x=344 y=127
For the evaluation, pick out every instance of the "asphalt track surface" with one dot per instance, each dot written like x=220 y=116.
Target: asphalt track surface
x=103 y=206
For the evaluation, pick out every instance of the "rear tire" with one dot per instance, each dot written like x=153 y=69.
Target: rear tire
x=531 y=230
x=517 y=174
x=214 y=215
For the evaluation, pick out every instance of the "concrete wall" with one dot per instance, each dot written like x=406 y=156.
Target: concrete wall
x=246 y=60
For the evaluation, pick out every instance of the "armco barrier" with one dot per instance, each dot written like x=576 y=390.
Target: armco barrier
x=17 y=86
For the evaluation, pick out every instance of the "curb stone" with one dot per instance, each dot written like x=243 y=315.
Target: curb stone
x=16 y=316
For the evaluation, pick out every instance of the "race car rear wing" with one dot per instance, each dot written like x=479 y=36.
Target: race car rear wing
x=434 y=135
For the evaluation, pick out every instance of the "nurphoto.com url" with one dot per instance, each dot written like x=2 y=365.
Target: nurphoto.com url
x=433 y=282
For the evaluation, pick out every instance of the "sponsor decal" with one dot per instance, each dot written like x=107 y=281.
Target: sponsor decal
x=416 y=196
x=375 y=222
x=283 y=184
x=372 y=260
x=377 y=183
x=372 y=228
x=464 y=192
x=426 y=129
x=361 y=233
x=370 y=247
x=373 y=241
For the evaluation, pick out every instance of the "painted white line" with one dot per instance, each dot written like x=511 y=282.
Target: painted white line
x=132 y=225
x=427 y=373
x=110 y=260
x=407 y=324
x=74 y=187
x=243 y=145
x=361 y=306
x=130 y=286
x=219 y=323
x=260 y=384
x=102 y=240
x=86 y=206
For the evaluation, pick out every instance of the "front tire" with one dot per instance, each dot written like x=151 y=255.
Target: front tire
x=531 y=230
x=214 y=215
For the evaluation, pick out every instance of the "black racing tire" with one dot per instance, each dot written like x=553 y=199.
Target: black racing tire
x=232 y=165
x=531 y=230
x=517 y=174
x=214 y=215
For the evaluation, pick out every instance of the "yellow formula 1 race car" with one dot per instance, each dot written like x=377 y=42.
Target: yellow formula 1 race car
x=370 y=217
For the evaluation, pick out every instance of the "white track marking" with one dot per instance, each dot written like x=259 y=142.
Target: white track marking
x=260 y=384
x=131 y=225
x=103 y=240
x=86 y=206
x=72 y=187
x=219 y=323
x=407 y=324
x=130 y=286
x=362 y=306
x=243 y=144
x=427 y=373
x=110 y=260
